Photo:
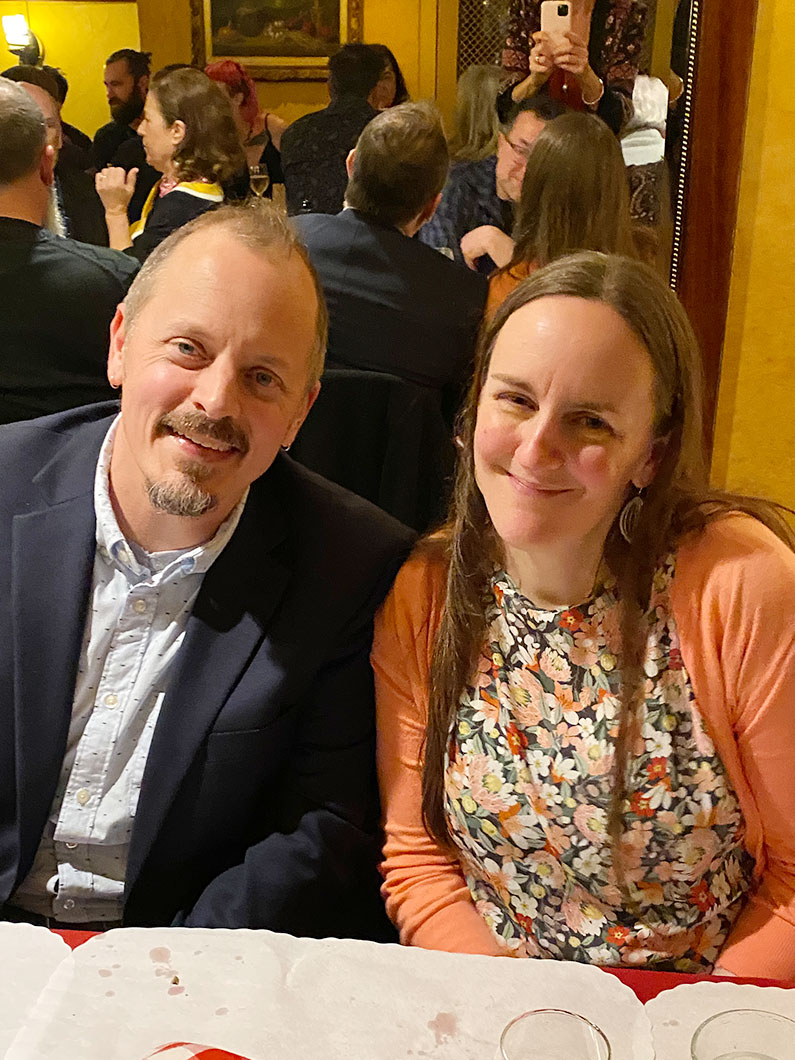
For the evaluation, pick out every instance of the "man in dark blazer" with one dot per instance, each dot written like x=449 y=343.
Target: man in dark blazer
x=185 y=619
x=394 y=304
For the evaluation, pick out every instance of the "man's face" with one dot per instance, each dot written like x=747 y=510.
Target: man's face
x=513 y=151
x=125 y=94
x=51 y=112
x=214 y=375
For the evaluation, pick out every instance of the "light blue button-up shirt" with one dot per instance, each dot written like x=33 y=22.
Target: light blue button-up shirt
x=139 y=609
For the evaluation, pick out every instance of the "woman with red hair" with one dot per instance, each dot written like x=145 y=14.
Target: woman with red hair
x=260 y=133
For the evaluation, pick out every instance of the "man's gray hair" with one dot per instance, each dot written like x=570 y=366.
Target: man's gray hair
x=259 y=226
x=23 y=133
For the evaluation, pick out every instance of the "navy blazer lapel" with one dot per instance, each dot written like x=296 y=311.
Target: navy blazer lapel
x=52 y=564
x=229 y=621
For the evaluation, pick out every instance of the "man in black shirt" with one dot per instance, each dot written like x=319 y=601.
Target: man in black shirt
x=315 y=147
x=75 y=210
x=59 y=296
x=126 y=84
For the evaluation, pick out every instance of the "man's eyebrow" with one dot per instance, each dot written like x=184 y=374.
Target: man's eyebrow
x=188 y=329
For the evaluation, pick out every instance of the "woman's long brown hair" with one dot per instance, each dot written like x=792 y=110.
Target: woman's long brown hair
x=676 y=503
x=575 y=193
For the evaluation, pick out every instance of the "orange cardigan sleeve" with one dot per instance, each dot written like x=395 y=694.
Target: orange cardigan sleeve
x=503 y=282
x=734 y=601
x=424 y=888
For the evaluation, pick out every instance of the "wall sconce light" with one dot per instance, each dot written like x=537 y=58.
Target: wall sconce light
x=21 y=40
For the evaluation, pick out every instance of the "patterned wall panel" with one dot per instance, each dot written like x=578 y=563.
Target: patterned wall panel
x=481 y=31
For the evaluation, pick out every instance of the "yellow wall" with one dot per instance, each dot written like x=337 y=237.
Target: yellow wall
x=408 y=27
x=78 y=38
x=755 y=435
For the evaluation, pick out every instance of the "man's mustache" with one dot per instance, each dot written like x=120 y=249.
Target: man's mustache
x=196 y=423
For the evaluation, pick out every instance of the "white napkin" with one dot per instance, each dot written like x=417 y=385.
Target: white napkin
x=28 y=957
x=266 y=996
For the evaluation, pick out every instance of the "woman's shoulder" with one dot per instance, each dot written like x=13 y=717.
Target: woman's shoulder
x=424 y=574
x=417 y=596
x=735 y=553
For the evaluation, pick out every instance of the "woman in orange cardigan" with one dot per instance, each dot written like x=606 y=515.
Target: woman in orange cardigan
x=575 y=196
x=584 y=682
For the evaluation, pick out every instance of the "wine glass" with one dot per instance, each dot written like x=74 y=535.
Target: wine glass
x=553 y=1034
x=744 y=1034
x=259 y=178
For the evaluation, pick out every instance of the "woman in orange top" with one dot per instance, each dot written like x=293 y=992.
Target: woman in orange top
x=584 y=682
x=575 y=196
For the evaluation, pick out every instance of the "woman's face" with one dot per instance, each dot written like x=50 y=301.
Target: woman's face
x=383 y=95
x=160 y=140
x=564 y=424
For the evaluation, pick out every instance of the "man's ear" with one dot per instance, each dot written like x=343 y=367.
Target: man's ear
x=47 y=166
x=295 y=426
x=143 y=85
x=431 y=208
x=645 y=476
x=349 y=162
x=118 y=332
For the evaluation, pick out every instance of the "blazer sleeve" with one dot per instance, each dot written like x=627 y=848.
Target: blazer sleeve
x=425 y=890
x=735 y=605
x=314 y=874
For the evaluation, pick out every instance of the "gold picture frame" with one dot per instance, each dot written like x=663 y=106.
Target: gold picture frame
x=275 y=40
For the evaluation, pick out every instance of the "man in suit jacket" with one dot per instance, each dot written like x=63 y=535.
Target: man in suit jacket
x=394 y=304
x=185 y=618
x=59 y=296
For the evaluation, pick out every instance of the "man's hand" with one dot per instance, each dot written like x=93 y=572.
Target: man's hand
x=115 y=188
x=487 y=239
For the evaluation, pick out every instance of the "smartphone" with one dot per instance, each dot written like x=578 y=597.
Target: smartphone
x=555 y=18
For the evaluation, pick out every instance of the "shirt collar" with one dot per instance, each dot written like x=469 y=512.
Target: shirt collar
x=127 y=556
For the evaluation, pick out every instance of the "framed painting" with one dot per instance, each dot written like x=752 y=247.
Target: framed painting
x=275 y=40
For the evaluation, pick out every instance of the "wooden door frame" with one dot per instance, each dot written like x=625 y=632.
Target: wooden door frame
x=714 y=166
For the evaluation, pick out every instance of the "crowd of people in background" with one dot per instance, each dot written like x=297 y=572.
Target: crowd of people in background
x=584 y=741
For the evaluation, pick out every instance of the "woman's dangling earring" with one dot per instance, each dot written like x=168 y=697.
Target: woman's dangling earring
x=630 y=513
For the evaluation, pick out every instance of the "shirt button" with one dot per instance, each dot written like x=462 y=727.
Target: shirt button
x=111 y=700
x=69 y=903
x=83 y=795
x=140 y=606
x=71 y=846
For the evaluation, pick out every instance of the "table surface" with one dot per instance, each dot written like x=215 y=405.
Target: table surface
x=644 y=984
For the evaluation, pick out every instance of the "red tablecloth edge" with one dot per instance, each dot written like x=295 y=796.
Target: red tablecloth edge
x=643 y=983
x=647 y=984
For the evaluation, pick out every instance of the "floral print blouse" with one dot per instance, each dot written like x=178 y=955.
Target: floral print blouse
x=528 y=781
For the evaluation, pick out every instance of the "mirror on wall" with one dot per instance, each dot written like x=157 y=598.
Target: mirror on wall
x=653 y=39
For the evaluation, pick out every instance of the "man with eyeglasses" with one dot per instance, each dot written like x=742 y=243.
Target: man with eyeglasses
x=484 y=192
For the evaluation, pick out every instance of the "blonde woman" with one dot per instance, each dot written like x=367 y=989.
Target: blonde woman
x=476 y=124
